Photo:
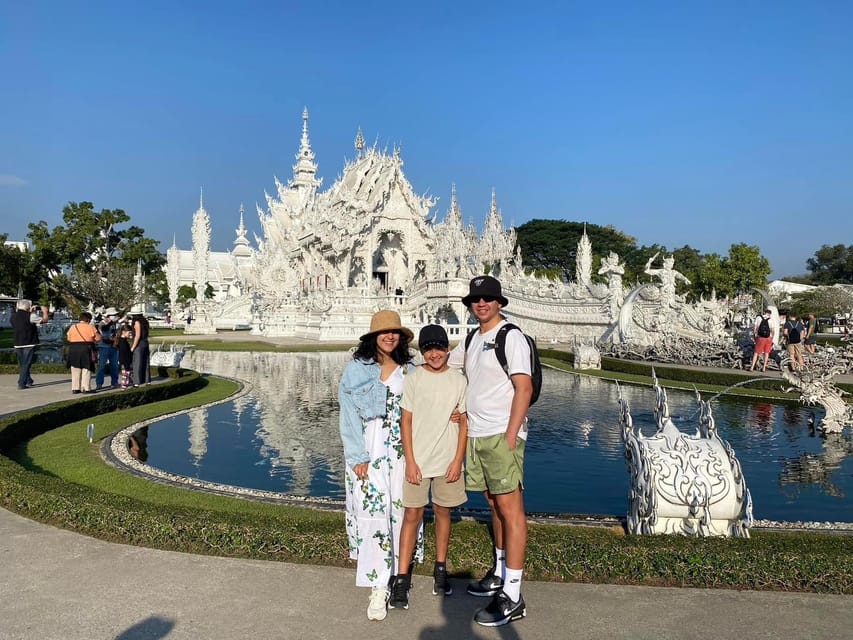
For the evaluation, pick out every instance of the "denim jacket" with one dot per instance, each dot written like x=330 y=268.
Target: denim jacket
x=362 y=397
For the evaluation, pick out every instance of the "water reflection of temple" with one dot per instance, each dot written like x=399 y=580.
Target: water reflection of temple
x=293 y=405
x=286 y=426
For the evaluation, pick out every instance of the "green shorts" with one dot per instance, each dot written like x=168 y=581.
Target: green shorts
x=491 y=465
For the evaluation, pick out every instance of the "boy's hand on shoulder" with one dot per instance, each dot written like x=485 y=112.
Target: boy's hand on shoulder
x=413 y=473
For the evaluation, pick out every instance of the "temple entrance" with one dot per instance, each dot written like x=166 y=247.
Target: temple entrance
x=390 y=266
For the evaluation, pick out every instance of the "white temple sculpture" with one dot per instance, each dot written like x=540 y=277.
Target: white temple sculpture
x=327 y=259
x=817 y=388
x=683 y=484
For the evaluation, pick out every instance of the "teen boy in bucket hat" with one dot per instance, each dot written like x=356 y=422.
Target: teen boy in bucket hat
x=484 y=287
x=497 y=406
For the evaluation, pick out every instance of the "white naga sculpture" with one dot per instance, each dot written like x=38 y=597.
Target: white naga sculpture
x=683 y=484
x=587 y=357
x=816 y=388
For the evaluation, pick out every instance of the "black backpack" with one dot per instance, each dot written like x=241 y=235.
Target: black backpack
x=764 y=328
x=500 y=352
x=793 y=333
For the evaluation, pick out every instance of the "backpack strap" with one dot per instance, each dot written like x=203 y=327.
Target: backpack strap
x=470 y=337
x=500 y=345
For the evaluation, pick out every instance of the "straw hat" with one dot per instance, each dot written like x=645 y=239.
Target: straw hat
x=383 y=321
x=111 y=311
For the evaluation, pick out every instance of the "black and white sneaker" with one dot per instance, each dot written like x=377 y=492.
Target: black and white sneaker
x=400 y=593
x=440 y=583
x=501 y=611
x=489 y=586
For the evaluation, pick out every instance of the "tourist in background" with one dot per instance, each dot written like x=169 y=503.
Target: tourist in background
x=107 y=352
x=25 y=322
x=497 y=403
x=811 y=334
x=141 y=351
x=82 y=338
x=122 y=342
x=369 y=396
x=762 y=335
x=794 y=332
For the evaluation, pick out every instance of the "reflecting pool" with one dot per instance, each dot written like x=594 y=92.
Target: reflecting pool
x=283 y=436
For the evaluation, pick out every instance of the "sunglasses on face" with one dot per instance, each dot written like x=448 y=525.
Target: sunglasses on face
x=484 y=299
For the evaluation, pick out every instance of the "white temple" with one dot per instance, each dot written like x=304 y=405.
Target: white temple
x=327 y=260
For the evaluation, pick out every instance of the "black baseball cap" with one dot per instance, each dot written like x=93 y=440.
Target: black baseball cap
x=433 y=335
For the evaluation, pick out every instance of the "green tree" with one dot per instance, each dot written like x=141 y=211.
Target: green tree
x=823 y=302
x=746 y=268
x=93 y=242
x=18 y=268
x=831 y=265
x=551 y=245
x=186 y=293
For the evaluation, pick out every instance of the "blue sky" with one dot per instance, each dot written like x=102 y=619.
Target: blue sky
x=700 y=123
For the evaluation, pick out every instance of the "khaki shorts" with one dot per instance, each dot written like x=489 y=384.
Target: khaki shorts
x=795 y=351
x=444 y=493
x=491 y=465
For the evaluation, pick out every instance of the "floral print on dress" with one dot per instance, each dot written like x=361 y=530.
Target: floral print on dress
x=374 y=513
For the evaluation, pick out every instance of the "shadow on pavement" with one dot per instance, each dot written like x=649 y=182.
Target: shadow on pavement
x=152 y=628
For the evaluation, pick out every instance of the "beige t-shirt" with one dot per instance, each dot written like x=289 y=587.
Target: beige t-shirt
x=431 y=398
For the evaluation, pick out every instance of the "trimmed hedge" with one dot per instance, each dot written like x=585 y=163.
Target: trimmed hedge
x=720 y=378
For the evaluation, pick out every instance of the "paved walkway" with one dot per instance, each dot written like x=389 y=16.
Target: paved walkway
x=55 y=584
x=60 y=585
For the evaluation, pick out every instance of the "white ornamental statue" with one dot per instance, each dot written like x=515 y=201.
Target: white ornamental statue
x=683 y=484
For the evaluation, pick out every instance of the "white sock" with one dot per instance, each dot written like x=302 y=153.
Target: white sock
x=512 y=584
x=500 y=563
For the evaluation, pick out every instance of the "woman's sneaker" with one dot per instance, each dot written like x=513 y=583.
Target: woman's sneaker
x=440 y=583
x=377 y=605
x=488 y=586
x=400 y=593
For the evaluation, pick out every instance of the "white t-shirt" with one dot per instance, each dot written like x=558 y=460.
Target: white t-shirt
x=490 y=391
x=431 y=398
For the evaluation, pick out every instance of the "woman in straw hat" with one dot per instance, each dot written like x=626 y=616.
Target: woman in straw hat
x=369 y=397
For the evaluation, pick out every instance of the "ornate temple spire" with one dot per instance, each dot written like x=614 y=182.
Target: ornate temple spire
x=454 y=216
x=241 y=243
x=201 y=249
x=583 y=260
x=305 y=169
x=359 y=142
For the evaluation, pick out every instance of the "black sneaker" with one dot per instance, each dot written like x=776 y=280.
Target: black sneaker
x=400 y=593
x=489 y=586
x=440 y=583
x=501 y=611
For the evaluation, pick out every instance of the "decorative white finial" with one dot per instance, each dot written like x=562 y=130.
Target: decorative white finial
x=201 y=197
x=359 y=141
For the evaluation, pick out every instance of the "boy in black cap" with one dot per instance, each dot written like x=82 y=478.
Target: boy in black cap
x=434 y=448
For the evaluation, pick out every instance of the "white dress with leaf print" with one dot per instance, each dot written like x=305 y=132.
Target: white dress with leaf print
x=375 y=506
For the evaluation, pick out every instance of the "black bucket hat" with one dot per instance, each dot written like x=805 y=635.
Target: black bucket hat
x=484 y=286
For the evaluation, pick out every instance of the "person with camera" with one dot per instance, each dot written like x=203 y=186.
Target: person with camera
x=25 y=323
x=107 y=352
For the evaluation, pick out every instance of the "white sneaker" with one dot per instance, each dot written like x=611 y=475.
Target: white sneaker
x=377 y=607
